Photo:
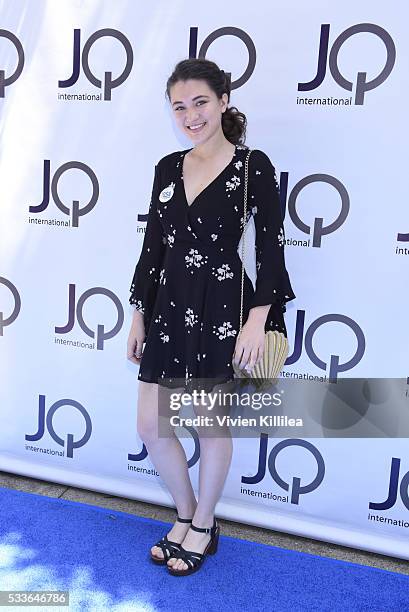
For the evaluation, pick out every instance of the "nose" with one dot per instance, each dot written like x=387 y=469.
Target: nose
x=192 y=117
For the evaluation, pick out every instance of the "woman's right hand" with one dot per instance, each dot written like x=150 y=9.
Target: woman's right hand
x=136 y=338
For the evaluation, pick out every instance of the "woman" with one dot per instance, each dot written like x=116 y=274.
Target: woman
x=186 y=290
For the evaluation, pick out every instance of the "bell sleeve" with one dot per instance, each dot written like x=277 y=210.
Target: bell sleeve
x=272 y=283
x=145 y=279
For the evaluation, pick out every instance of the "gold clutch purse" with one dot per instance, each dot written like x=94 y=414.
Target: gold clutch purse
x=275 y=343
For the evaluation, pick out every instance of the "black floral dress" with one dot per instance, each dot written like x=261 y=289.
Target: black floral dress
x=187 y=282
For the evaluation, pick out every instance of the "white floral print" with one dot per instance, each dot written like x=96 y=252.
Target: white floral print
x=190 y=318
x=233 y=184
x=224 y=331
x=276 y=181
x=223 y=272
x=195 y=259
x=139 y=306
x=171 y=239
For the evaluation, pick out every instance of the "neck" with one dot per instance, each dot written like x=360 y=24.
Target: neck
x=212 y=147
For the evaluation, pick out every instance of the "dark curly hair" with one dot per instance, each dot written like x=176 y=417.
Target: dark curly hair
x=233 y=121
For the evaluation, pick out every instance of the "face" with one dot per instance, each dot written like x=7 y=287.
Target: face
x=195 y=104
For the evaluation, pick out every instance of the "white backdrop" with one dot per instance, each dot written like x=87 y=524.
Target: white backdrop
x=68 y=393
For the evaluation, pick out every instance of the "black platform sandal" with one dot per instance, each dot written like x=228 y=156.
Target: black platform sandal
x=169 y=548
x=193 y=559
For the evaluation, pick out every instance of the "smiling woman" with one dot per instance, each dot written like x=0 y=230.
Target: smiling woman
x=186 y=288
x=186 y=284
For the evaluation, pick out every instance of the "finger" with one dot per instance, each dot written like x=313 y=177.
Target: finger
x=252 y=359
x=138 y=350
x=237 y=355
x=244 y=359
x=134 y=353
x=259 y=355
x=261 y=352
x=130 y=355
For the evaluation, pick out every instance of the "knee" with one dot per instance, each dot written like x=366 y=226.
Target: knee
x=147 y=429
x=147 y=415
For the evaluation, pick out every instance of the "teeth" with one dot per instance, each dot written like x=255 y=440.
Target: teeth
x=195 y=127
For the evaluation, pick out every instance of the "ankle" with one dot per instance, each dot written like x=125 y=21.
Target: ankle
x=187 y=512
x=203 y=521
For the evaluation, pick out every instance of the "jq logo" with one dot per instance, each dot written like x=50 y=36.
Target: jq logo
x=69 y=443
x=334 y=367
x=143 y=453
x=394 y=488
x=76 y=212
x=319 y=230
x=219 y=33
x=101 y=333
x=403 y=237
x=297 y=486
x=109 y=83
x=361 y=83
x=5 y=321
x=11 y=78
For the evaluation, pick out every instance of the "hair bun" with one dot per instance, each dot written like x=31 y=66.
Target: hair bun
x=226 y=78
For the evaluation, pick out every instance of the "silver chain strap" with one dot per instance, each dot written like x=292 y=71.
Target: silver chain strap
x=246 y=177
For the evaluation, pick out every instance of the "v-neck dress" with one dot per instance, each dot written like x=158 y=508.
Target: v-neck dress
x=187 y=281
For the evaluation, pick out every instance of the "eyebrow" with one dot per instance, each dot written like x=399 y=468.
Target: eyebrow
x=195 y=98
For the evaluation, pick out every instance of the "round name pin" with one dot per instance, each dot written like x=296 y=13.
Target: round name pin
x=166 y=194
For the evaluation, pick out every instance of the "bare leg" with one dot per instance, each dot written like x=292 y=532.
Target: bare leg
x=215 y=459
x=169 y=458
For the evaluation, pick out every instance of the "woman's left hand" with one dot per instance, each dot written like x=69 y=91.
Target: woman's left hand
x=249 y=346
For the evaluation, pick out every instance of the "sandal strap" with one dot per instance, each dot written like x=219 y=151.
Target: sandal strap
x=190 y=557
x=168 y=547
x=204 y=529
x=182 y=520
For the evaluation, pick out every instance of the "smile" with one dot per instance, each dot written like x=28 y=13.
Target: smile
x=196 y=128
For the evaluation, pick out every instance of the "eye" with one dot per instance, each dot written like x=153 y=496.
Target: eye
x=198 y=102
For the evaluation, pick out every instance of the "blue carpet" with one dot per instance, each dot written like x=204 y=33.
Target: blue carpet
x=100 y=556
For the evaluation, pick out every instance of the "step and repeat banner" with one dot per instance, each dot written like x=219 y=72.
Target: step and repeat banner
x=84 y=120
